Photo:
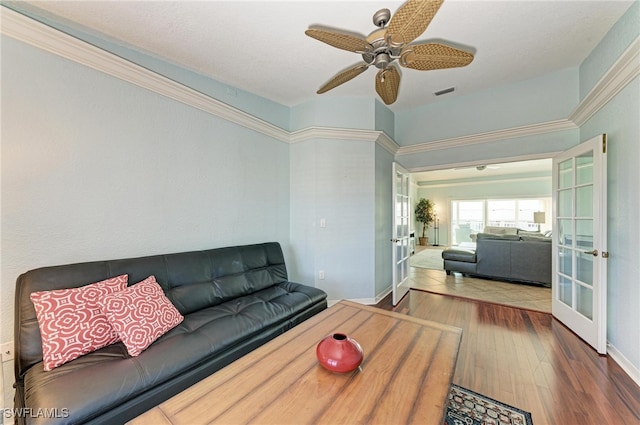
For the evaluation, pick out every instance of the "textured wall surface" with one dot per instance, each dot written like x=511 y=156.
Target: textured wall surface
x=94 y=168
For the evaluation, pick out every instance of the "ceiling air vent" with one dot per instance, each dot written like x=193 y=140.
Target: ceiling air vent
x=445 y=91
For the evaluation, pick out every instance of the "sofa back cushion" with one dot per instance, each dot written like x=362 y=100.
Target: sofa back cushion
x=191 y=280
x=496 y=230
x=222 y=274
x=498 y=237
x=535 y=238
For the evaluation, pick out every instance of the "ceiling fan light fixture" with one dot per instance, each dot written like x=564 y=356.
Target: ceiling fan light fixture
x=382 y=60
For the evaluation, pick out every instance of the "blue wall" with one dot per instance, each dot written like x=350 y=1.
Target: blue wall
x=620 y=120
x=354 y=113
x=333 y=181
x=95 y=168
x=538 y=100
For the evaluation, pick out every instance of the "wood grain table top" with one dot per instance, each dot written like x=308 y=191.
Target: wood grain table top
x=404 y=378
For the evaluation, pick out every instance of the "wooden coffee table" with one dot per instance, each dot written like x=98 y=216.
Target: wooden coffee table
x=404 y=378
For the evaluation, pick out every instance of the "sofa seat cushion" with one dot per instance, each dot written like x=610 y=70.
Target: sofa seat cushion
x=99 y=381
x=459 y=254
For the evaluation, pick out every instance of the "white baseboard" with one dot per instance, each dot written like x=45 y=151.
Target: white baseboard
x=624 y=363
x=366 y=301
x=383 y=294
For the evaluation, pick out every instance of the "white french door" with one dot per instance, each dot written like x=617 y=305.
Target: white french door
x=400 y=233
x=580 y=241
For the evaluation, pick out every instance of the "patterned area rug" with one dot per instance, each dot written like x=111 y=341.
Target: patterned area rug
x=470 y=408
x=429 y=258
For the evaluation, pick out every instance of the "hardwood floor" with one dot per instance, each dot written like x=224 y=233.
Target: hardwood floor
x=531 y=361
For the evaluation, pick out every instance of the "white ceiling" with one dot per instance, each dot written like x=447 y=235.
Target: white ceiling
x=260 y=46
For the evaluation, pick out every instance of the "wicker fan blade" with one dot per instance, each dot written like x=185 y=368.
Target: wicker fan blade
x=411 y=20
x=341 y=41
x=343 y=77
x=387 y=83
x=428 y=56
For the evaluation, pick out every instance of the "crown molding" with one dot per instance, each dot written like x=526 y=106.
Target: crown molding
x=378 y=137
x=332 y=133
x=490 y=136
x=387 y=143
x=621 y=73
x=42 y=36
x=30 y=31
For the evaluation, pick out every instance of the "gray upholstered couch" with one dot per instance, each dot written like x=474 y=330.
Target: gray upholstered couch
x=512 y=257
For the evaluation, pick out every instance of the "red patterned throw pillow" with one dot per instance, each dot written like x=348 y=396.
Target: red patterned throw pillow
x=71 y=322
x=140 y=314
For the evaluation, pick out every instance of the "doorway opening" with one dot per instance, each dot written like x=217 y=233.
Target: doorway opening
x=472 y=199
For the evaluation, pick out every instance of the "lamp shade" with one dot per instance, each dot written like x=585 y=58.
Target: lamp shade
x=538 y=217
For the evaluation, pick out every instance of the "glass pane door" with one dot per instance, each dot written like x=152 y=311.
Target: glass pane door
x=575 y=236
x=579 y=285
x=401 y=217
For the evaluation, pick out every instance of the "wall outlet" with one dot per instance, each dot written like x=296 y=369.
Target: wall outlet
x=7 y=351
x=321 y=275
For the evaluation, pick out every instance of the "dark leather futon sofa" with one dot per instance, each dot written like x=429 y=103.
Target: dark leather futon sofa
x=232 y=299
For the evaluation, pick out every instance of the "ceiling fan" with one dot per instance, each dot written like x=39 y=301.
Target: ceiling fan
x=391 y=42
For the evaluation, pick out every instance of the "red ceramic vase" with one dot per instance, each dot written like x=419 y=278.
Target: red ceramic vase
x=339 y=353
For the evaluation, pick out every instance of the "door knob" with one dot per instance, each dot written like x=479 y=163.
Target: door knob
x=594 y=252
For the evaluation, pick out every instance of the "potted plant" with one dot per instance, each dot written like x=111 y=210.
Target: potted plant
x=425 y=214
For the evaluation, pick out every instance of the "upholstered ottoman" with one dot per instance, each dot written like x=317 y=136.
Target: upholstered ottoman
x=459 y=260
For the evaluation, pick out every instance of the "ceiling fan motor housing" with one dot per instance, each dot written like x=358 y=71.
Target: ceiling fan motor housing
x=382 y=55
